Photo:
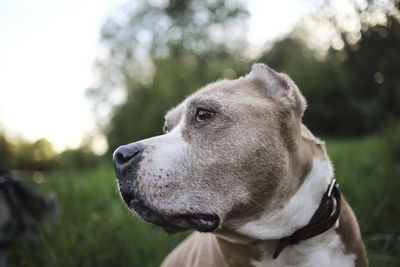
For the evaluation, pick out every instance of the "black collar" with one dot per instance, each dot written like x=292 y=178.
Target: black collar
x=321 y=221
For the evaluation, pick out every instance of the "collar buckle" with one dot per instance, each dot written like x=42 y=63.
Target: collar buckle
x=333 y=183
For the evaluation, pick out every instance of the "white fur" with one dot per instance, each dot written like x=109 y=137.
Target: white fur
x=325 y=250
x=170 y=147
x=298 y=211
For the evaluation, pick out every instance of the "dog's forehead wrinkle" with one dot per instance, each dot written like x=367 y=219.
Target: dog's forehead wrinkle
x=205 y=99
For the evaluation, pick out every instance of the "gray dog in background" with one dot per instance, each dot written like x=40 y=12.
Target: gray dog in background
x=237 y=164
x=22 y=210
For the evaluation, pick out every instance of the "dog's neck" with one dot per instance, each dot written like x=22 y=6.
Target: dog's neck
x=256 y=241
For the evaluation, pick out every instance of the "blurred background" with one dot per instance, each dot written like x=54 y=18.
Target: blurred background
x=80 y=78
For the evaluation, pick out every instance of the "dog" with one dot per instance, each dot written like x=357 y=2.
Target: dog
x=236 y=163
x=22 y=211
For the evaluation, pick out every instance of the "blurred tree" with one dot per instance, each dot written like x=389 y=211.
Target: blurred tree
x=354 y=89
x=158 y=52
x=39 y=155
x=372 y=58
x=324 y=84
x=20 y=154
x=80 y=158
x=374 y=62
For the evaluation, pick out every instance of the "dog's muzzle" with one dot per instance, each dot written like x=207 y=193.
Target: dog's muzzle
x=126 y=163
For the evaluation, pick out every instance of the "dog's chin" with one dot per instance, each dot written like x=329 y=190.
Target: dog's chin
x=171 y=223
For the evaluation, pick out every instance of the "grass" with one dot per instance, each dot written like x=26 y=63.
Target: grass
x=97 y=229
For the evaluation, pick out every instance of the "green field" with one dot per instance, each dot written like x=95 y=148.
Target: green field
x=97 y=229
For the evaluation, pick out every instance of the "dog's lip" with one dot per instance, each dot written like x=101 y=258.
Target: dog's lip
x=146 y=213
x=203 y=222
x=172 y=223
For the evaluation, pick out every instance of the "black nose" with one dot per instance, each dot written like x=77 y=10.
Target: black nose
x=126 y=158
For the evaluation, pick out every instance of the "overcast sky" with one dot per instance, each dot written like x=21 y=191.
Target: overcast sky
x=47 y=50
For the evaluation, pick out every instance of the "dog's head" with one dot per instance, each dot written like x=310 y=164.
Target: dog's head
x=229 y=153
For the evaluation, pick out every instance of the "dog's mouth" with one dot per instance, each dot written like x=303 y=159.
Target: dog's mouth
x=171 y=223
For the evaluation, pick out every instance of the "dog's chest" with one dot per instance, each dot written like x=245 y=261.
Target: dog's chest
x=326 y=250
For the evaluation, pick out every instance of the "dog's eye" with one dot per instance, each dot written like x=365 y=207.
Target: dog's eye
x=165 y=129
x=202 y=115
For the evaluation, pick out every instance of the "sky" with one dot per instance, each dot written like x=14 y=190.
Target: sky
x=47 y=52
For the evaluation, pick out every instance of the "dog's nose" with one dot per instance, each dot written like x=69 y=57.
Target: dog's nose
x=127 y=157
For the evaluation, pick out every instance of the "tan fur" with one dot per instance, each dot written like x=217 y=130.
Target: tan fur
x=209 y=250
x=203 y=250
x=350 y=234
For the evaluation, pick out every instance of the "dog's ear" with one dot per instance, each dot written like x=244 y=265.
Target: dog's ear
x=278 y=86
